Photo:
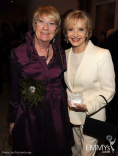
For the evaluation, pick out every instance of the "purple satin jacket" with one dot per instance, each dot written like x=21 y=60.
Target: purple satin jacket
x=50 y=118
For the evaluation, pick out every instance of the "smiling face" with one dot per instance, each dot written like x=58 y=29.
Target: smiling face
x=77 y=33
x=44 y=29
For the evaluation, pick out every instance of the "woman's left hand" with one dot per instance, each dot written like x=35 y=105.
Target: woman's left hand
x=79 y=107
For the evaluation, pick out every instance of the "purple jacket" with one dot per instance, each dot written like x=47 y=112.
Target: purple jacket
x=26 y=63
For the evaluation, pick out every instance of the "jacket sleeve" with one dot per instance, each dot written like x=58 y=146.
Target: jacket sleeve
x=15 y=92
x=106 y=78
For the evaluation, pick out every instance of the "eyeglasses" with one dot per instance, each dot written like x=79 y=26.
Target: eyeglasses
x=42 y=23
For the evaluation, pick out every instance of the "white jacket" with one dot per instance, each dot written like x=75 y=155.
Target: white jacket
x=95 y=76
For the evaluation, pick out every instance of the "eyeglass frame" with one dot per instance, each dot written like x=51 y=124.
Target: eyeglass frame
x=44 y=23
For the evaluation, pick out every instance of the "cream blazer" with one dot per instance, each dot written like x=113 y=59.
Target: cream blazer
x=95 y=76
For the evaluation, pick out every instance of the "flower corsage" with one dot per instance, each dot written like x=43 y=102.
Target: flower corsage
x=32 y=91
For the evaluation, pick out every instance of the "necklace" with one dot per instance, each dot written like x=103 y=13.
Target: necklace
x=47 y=56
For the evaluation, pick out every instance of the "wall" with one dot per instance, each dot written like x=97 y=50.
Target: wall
x=61 y=5
x=9 y=16
x=94 y=5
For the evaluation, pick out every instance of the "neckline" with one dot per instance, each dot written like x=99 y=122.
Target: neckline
x=77 y=53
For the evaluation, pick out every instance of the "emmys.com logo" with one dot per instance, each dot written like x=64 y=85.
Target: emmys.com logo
x=103 y=148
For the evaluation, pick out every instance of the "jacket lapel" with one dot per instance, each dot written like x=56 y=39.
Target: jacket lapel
x=88 y=55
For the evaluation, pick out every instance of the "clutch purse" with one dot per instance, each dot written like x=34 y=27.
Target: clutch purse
x=101 y=129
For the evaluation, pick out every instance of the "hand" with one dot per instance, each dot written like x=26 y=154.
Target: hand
x=79 y=107
x=11 y=126
x=69 y=104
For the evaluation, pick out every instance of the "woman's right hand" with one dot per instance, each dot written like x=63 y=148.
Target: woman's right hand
x=69 y=104
x=11 y=126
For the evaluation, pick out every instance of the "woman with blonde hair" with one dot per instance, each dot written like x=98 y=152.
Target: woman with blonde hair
x=90 y=73
x=40 y=127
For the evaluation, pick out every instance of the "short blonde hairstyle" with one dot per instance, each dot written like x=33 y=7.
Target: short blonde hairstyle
x=74 y=17
x=50 y=12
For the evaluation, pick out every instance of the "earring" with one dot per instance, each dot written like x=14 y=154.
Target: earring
x=87 y=36
x=54 y=39
x=67 y=41
x=86 y=39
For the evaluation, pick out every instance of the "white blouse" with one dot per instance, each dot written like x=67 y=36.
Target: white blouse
x=74 y=63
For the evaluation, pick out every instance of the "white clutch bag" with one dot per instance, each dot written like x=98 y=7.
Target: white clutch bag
x=76 y=98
